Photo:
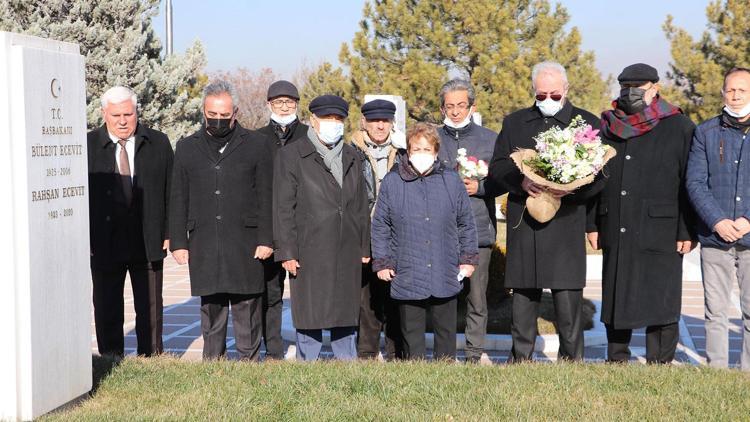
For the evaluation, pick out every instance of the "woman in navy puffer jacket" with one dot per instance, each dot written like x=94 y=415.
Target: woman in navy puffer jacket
x=424 y=242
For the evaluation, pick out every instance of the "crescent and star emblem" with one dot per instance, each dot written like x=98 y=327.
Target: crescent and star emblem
x=55 y=88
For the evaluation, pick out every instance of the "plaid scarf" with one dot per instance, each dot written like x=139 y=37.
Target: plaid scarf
x=615 y=123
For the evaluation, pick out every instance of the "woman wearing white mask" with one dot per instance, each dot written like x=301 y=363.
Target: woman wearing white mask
x=322 y=231
x=424 y=242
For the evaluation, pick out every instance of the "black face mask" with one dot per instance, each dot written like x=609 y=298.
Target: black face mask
x=631 y=100
x=219 y=128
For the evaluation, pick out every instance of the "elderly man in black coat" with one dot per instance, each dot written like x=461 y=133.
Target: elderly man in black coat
x=322 y=230
x=130 y=167
x=548 y=255
x=220 y=218
x=643 y=217
x=283 y=129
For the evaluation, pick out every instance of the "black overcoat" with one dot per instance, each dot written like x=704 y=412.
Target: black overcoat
x=641 y=214
x=111 y=221
x=300 y=131
x=326 y=227
x=541 y=255
x=220 y=211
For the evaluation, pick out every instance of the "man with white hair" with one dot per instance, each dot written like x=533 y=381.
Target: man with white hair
x=548 y=255
x=130 y=168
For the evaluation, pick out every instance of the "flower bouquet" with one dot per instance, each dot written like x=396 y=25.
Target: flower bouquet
x=469 y=167
x=563 y=160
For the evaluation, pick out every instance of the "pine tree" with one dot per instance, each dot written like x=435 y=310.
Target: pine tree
x=411 y=47
x=121 y=48
x=698 y=67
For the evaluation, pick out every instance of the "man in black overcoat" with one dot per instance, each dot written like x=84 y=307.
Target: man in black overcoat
x=322 y=230
x=548 y=255
x=220 y=220
x=130 y=167
x=643 y=217
x=284 y=128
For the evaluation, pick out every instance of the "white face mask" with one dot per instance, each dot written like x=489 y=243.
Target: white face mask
x=422 y=161
x=744 y=111
x=330 y=132
x=283 y=120
x=549 y=107
x=465 y=122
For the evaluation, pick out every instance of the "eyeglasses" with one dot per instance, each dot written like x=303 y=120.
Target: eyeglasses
x=542 y=97
x=459 y=106
x=282 y=103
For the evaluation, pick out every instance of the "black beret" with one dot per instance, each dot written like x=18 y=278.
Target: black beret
x=329 y=104
x=638 y=73
x=282 y=89
x=379 y=109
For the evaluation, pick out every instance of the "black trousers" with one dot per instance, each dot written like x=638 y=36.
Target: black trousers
x=377 y=311
x=568 y=310
x=661 y=343
x=109 y=307
x=273 y=304
x=413 y=315
x=246 y=321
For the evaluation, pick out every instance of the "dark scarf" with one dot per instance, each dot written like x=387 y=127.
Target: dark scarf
x=284 y=135
x=733 y=122
x=216 y=144
x=615 y=123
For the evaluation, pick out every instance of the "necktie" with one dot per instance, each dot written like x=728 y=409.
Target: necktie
x=127 y=182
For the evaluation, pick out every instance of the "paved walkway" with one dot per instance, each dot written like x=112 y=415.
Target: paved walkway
x=182 y=335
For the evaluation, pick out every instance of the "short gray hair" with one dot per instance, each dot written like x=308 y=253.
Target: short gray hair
x=118 y=94
x=458 y=85
x=219 y=87
x=548 y=67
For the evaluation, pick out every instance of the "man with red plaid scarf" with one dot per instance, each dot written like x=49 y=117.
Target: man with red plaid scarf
x=642 y=219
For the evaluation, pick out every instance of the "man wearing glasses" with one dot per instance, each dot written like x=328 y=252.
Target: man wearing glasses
x=548 y=255
x=457 y=104
x=284 y=128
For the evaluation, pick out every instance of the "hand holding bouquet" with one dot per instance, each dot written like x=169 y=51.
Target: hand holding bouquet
x=563 y=160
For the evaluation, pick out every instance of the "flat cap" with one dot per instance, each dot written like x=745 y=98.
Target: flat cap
x=638 y=73
x=379 y=109
x=282 y=89
x=325 y=105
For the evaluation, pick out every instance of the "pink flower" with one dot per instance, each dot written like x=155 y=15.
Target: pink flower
x=472 y=159
x=587 y=135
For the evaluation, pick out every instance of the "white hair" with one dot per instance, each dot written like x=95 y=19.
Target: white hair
x=547 y=68
x=118 y=94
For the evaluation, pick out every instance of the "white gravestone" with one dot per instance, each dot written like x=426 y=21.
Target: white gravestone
x=45 y=291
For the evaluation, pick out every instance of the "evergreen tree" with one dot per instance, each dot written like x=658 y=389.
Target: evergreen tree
x=411 y=47
x=121 y=48
x=698 y=67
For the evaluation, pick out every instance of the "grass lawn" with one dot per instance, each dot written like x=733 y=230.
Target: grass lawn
x=166 y=388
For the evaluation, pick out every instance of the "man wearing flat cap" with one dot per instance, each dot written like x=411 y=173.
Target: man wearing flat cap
x=322 y=230
x=377 y=143
x=284 y=128
x=642 y=220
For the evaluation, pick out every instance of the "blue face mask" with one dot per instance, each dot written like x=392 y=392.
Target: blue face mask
x=330 y=132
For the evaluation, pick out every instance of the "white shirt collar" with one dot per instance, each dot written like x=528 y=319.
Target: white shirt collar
x=115 y=139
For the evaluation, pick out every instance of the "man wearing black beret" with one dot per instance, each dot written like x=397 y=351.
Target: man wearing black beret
x=283 y=128
x=642 y=219
x=322 y=230
x=377 y=143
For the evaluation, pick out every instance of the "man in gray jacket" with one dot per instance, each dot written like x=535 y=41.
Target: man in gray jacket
x=457 y=103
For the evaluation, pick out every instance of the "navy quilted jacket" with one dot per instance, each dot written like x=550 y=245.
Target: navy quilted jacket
x=423 y=229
